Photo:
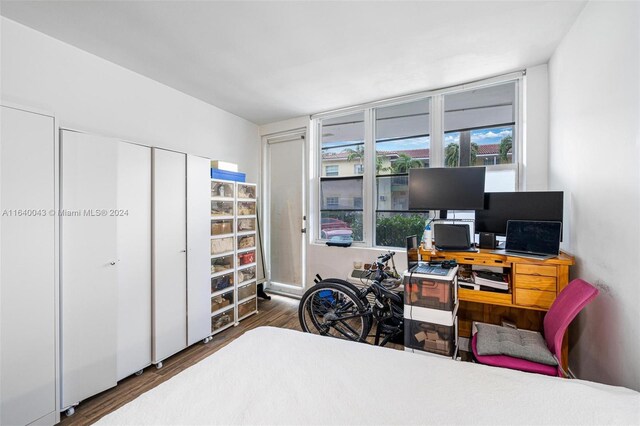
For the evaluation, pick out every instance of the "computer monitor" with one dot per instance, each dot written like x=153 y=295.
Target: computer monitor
x=456 y=188
x=500 y=207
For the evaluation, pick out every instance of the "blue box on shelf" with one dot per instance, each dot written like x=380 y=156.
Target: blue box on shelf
x=227 y=175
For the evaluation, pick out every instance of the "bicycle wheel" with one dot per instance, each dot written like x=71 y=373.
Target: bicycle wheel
x=330 y=309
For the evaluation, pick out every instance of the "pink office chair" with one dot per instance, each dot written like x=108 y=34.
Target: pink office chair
x=575 y=296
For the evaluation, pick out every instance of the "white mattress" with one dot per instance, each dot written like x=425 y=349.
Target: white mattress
x=277 y=376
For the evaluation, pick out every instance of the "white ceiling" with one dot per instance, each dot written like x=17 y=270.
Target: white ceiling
x=270 y=60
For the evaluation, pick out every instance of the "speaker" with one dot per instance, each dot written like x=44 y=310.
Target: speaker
x=487 y=240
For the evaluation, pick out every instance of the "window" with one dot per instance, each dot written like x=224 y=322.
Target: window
x=331 y=170
x=476 y=126
x=402 y=143
x=341 y=186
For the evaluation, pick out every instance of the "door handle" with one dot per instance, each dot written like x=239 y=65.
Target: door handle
x=183 y=251
x=112 y=263
x=303 y=230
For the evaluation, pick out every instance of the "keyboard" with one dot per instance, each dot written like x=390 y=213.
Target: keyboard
x=430 y=270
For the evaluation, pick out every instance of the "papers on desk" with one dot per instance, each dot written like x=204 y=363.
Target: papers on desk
x=492 y=280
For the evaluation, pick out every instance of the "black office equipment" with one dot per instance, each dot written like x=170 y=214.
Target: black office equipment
x=532 y=239
x=500 y=207
x=487 y=240
x=450 y=237
x=413 y=257
x=456 y=188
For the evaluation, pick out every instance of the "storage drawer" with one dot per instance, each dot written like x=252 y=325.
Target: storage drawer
x=247 y=291
x=544 y=270
x=246 y=241
x=221 y=245
x=246 y=190
x=221 y=208
x=246 y=224
x=219 y=264
x=221 y=189
x=245 y=308
x=429 y=337
x=246 y=274
x=223 y=319
x=535 y=282
x=221 y=301
x=246 y=257
x=534 y=298
x=430 y=293
x=246 y=208
x=221 y=282
x=221 y=227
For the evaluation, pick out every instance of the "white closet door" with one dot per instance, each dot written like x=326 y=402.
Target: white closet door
x=134 y=258
x=89 y=289
x=169 y=254
x=198 y=248
x=27 y=277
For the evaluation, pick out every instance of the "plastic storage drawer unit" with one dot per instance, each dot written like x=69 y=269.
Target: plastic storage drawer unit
x=431 y=337
x=221 y=282
x=429 y=291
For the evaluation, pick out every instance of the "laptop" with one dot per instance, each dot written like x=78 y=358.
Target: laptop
x=532 y=239
x=413 y=260
x=449 y=237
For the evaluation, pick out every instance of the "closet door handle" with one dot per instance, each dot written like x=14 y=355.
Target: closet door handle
x=183 y=251
x=112 y=263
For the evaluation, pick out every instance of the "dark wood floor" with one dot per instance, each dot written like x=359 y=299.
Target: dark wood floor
x=277 y=312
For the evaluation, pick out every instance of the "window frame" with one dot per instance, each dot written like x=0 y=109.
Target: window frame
x=436 y=146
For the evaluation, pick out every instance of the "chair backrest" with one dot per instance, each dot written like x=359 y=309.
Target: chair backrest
x=575 y=296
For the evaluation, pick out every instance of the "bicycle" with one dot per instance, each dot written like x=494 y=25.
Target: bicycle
x=337 y=308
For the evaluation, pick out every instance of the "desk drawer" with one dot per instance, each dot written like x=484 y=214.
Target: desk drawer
x=543 y=270
x=535 y=282
x=534 y=298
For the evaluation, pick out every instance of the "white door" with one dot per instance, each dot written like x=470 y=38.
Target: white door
x=27 y=278
x=169 y=253
x=198 y=248
x=285 y=158
x=89 y=280
x=134 y=258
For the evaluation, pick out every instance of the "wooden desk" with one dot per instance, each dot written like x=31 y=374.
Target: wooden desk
x=534 y=285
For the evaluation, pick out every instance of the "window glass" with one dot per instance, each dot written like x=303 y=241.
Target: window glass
x=479 y=126
x=343 y=145
x=341 y=209
x=402 y=143
x=402 y=137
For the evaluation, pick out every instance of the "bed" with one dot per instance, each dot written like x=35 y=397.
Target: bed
x=278 y=376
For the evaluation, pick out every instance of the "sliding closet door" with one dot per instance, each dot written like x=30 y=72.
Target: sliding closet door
x=27 y=270
x=198 y=248
x=169 y=254
x=134 y=258
x=89 y=289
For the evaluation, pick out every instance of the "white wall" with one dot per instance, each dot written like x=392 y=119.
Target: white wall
x=89 y=93
x=337 y=261
x=594 y=153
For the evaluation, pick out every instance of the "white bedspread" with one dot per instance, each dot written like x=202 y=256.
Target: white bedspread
x=277 y=376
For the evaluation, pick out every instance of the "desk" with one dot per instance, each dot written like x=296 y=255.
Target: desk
x=534 y=285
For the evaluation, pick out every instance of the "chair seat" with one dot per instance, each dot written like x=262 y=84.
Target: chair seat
x=505 y=361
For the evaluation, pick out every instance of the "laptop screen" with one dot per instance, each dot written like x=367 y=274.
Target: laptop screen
x=449 y=236
x=536 y=237
x=412 y=251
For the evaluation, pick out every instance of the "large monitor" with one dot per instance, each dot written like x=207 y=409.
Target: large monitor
x=500 y=207
x=457 y=188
